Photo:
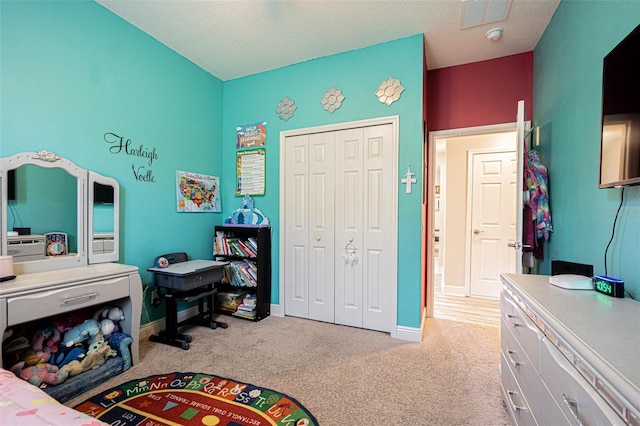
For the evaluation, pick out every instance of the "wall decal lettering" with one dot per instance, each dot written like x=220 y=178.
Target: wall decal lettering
x=122 y=145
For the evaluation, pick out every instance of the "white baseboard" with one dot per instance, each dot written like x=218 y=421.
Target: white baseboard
x=412 y=334
x=276 y=310
x=454 y=290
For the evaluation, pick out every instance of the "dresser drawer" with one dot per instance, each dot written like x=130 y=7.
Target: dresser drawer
x=523 y=329
x=46 y=303
x=514 y=399
x=577 y=399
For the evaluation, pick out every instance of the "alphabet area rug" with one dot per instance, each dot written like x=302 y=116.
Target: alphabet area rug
x=194 y=399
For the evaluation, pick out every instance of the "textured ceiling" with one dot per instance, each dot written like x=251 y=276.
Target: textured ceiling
x=236 y=38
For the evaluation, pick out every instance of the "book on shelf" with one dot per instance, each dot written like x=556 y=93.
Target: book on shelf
x=240 y=273
x=229 y=300
x=246 y=308
x=233 y=246
x=247 y=315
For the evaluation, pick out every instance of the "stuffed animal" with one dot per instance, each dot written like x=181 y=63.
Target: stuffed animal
x=113 y=313
x=41 y=373
x=81 y=332
x=65 y=355
x=120 y=342
x=37 y=342
x=108 y=327
x=61 y=325
x=97 y=353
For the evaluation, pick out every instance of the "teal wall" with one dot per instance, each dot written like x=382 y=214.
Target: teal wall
x=72 y=71
x=567 y=106
x=357 y=73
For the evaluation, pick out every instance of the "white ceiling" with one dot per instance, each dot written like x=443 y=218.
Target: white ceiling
x=236 y=38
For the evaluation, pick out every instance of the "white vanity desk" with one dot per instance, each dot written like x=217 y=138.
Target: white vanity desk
x=39 y=295
x=87 y=275
x=568 y=356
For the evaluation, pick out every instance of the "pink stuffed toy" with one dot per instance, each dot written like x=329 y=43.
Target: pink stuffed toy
x=40 y=373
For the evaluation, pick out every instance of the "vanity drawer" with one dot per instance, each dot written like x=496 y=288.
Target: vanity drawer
x=46 y=303
x=577 y=399
x=525 y=331
x=513 y=397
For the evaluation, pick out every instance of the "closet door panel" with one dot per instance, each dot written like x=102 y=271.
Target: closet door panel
x=348 y=227
x=297 y=231
x=378 y=194
x=321 y=224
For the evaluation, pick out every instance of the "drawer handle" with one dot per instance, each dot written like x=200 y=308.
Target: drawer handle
x=513 y=404
x=78 y=299
x=572 y=405
x=515 y=363
x=513 y=317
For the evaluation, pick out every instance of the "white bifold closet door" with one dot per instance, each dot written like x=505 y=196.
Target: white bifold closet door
x=339 y=215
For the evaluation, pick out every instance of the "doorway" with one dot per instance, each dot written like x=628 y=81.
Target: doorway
x=448 y=284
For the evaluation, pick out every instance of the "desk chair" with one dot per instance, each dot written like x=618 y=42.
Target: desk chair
x=204 y=317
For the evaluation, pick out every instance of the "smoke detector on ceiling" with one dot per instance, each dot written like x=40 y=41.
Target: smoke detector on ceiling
x=494 y=34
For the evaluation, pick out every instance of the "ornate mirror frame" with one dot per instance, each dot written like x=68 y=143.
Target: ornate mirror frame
x=84 y=254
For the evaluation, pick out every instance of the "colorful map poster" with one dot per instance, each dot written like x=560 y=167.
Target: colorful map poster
x=250 y=172
x=197 y=193
x=251 y=135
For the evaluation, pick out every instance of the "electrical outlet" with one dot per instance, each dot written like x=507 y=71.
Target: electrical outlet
x=155 y=299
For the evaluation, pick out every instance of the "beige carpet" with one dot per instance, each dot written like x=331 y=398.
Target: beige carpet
x=346 y=376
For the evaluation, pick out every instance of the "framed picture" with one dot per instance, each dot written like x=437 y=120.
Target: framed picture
x=55 y=243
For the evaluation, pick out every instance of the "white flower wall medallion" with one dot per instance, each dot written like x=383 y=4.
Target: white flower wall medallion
x=332 y=99
x=286 y=108
x=389 y=91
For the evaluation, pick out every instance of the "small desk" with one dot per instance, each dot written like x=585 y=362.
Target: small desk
x=188 y=281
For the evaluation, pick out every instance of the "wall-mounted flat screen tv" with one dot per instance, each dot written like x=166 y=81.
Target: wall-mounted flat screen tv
x=620 y=136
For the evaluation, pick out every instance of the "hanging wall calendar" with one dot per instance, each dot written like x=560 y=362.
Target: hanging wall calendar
x=250 y=172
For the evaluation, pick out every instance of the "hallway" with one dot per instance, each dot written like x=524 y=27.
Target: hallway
x=474 y=310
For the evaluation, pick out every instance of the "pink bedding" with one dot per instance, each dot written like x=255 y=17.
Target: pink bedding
x=21 y=403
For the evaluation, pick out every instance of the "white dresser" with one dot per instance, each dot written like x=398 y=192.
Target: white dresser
x=569 y=357
x=39 y=295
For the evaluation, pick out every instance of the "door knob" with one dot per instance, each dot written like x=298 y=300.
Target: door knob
x=477 y=231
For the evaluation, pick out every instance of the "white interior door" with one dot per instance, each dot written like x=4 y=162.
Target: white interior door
x=296 y=217
x=309 y=247
x=340 y=239
x=380 y=280
x=364 y=165
x=349 y=227
x=493 y=220
x=321 y=222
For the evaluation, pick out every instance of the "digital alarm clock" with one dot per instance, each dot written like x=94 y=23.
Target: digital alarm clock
x=610 y=286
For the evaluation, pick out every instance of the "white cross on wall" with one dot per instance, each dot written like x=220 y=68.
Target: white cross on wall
x=408 y=180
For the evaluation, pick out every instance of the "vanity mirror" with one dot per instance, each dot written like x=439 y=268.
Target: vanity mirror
x=53 y=202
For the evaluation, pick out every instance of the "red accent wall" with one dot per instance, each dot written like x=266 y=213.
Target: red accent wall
x=480 y=93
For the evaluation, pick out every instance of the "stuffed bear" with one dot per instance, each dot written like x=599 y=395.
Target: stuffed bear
x=81 y=332
x=41 y=373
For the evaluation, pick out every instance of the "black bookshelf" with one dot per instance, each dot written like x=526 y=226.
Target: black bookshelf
x=239 y=245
